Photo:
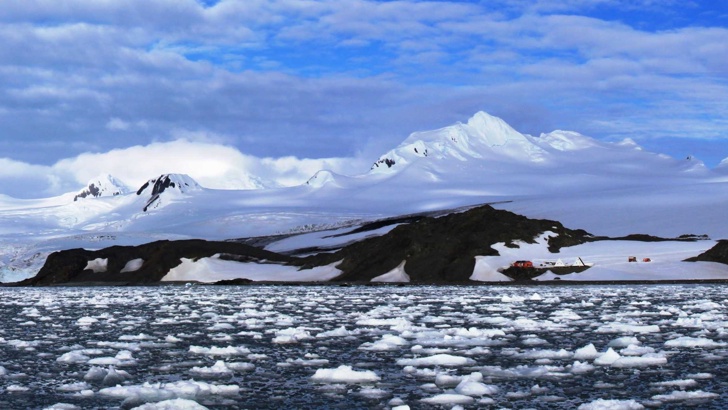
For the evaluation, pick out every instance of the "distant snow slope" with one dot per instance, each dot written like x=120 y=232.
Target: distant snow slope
x=605 y=188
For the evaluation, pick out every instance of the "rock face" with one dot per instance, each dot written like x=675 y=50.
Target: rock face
x=116 y=264
x=443 y=249
x=718 y=253
x=101 y=186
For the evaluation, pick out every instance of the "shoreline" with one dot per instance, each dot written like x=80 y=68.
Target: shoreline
x=385 y=284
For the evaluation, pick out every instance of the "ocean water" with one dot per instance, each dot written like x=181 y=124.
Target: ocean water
x=540 y=347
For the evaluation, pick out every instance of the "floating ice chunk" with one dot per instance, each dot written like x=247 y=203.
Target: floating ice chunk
x=291 y=335
x=114 y=377
x=104 y=361
x=445 y=380
x=338 y=332
x=86 y=321
x=535 y=297
x=472 y=385
x=627 y=328
x=218 y=369
x=221 y=326
x=525 y=371
x=687 y=341
x=109 y=376
x=650 y=359
x=307 y=362
x=449 y=398
x=73 y=357
x=607 y=358
x=547 y=354
x=73 y=387
x=704 y=305
x=437 y=360
x=587 y=352
x=145 y=393
x=700 y=376
x=220 y=351
x=140 y=336
x=397 y=322
x=23 y=344
x=344 y=374
x=372 y=393
x=624 y=341
x=172 y=339
x=474 y=332
x=174 y=404
x=95 y=373
x=191 y=389
x=685 y=395
x=3 y=371
x=156 y=392
x=602 y=404
x=695 y=323
x=134 y=347
x=634 y=350
x=676 y=383
x=62 y=406
x=16 y=388
x=387 y=342
x=581 y=368
x=241 y=366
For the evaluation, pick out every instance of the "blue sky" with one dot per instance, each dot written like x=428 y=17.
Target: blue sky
x=351 y=79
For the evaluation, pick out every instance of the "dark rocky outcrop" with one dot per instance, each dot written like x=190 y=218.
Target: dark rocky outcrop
x=443 y=249
x=718 y=253
x=436 y=250
x=159 y=257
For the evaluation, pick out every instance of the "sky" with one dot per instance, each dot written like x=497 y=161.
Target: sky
x=284 y=87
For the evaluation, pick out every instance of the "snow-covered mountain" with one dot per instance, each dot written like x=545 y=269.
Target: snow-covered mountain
x=102 y=185
x=486 y=150
x=605 y=188
x=167 y=184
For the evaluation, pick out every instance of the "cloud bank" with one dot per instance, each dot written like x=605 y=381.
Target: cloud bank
x=326 y=78
x=213 y=165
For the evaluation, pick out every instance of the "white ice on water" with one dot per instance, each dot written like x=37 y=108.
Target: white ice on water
x=411 y=346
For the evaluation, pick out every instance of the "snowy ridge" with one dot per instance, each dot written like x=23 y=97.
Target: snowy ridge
x=102 y=186
x=483 y=136
x=168 y=184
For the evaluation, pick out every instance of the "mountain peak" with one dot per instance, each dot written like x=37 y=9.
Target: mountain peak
x=178 y=183
x=484 y=136
x=102 y=185
x=491 y=129
x=321 y=178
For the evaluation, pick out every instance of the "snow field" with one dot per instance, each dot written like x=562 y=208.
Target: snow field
x=587 y=347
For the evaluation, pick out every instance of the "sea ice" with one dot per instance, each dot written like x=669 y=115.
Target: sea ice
x=344 y=374
x=437 y=360
x=602 y=404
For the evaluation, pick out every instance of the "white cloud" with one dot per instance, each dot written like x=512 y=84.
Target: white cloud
x=117 y=124
x=212 y=165
x=328 y=78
